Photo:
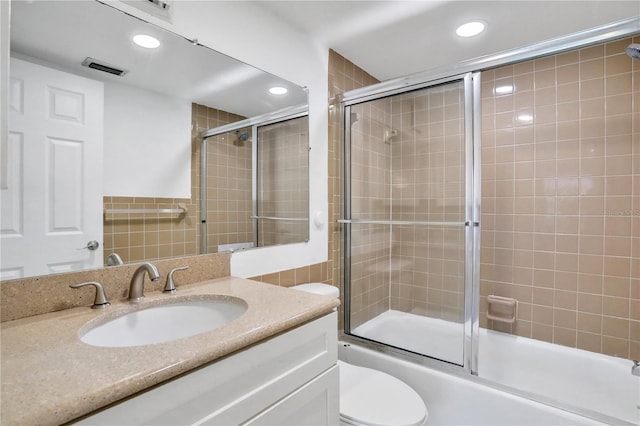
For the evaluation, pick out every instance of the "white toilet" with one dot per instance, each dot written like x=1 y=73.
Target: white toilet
x=371 y=397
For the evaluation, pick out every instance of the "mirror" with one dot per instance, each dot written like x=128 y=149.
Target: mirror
x=153 y=116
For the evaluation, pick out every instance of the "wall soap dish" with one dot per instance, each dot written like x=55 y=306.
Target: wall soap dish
x=502 y=309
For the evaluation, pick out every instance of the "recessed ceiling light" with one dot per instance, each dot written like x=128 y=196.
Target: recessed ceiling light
x=278 y=90
x=146 y=41
x=471 y=29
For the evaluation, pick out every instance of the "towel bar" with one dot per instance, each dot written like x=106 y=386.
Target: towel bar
x=180 y=210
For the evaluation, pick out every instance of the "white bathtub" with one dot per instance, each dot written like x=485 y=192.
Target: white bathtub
x=573 y=377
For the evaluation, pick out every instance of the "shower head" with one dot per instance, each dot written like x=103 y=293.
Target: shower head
x=633 y=50
x=243 y=137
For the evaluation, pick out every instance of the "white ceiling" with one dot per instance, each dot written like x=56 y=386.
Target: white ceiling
x=390 y=39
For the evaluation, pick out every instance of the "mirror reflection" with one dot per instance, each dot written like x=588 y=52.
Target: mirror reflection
x=119 y=162
x=283 y=182
x=272 y=158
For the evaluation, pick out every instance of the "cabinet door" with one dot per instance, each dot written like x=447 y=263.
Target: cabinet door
x=314 y=404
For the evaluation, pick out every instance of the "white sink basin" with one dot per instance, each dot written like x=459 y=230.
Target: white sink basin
x=166 y=322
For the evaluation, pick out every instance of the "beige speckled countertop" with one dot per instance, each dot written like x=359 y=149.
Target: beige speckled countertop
x=50 y=377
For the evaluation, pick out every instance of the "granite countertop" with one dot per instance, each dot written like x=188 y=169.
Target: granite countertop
x=50 y=377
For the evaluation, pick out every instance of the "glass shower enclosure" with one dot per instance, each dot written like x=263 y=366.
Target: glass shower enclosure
x=411 y=219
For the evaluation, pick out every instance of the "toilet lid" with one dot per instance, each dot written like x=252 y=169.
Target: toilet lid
x=371 y=397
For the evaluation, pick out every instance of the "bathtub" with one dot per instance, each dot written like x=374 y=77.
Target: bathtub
x=573 y=377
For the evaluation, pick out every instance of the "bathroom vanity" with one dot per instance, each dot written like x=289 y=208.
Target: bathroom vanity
x=274 y=364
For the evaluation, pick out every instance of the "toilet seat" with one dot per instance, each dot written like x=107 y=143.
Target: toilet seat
x=373 y=398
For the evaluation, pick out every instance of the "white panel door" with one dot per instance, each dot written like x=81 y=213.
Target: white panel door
x=52 y=202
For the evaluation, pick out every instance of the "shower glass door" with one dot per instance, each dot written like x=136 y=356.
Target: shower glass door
x=281 y=201
x=409 y=220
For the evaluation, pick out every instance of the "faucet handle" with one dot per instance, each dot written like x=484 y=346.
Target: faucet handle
x=100 y=300
x=114 y=259
x=170 y=286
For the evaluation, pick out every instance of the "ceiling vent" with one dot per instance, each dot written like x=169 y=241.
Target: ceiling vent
x=103 y=66
x=158 y=8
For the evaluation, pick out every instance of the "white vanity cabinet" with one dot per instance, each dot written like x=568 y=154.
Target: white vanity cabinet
x=289 y=379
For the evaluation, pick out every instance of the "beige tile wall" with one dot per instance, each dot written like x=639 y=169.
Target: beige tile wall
x=371 y=199
x=407 y=163
x=428 y=184
x=560 y=198
x=318 y=273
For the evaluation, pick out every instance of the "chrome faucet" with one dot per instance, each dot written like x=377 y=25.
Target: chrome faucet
x=136 y=287
x=635 y=370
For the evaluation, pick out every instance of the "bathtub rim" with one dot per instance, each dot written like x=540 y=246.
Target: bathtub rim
x=459 y=372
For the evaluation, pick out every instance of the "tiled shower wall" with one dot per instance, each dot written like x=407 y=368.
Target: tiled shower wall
x=428 y=178
x=371 y=199
x=407 y=163
x=283 y=176
x=561 y=197
x=343 y=76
